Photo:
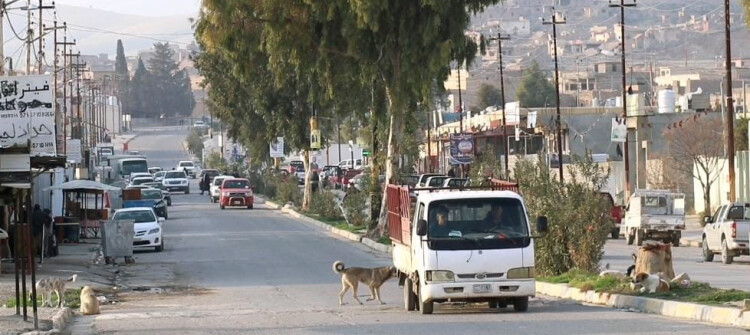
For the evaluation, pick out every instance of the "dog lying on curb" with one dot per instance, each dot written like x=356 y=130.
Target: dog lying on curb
x=89 y=303
x=48 y=286
x=372 y=277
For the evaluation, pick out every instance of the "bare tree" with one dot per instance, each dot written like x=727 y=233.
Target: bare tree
x=695 y=149
x=660 y=175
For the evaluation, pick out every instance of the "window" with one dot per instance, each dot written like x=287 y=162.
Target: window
x=129 y=167
x=218 y=181
x=140 y=181
x=186 y=164
x=236 y=184
x=175 y=175
x=482 y=219
x=137 y=216
x=151 y=194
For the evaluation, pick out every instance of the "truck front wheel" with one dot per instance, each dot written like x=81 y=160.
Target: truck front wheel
x=638 y=237
x=629 y=235
x=410 y=299
x=425 y=307
x=521 y=304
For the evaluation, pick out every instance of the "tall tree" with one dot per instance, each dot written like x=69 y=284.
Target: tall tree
x=122 y=79
x=169 y=94
x=535 y=89
x=140 y=91
x=489 y=95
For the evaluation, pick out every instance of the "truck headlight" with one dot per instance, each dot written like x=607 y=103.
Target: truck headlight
x=224 y=194
x=153 y=231
x=248 y=194
x=521 y=273
x=439 y=276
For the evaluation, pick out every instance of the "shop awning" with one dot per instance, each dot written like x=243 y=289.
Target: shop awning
x=83 y=185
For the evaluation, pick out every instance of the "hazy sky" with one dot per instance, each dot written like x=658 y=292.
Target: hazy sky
x=139 y=7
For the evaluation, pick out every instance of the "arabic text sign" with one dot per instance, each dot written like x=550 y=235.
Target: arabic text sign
x=277 y=148
x=26 y=113
x=462 y=148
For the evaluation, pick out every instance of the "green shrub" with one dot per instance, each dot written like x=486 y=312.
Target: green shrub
x=288 y=191
x=578 y=218
x=355 y=208
x=195 y=141
x=323 y=203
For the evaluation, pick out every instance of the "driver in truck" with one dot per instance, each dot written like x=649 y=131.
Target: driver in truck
x=439 y=226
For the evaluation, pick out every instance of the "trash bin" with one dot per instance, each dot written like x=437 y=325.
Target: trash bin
x=117 y=240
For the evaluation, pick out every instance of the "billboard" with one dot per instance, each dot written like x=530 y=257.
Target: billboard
x=26 y=113
x=462 y=148
x=277 y=148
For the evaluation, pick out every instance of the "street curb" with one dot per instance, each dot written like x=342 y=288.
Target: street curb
x=684 y=310
x=340 y=232
x=59 y=322
x=686 y=242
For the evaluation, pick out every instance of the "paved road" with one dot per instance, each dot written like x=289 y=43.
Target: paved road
x=261 y=272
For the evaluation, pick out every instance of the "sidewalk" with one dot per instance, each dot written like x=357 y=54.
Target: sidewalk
x=73 y=259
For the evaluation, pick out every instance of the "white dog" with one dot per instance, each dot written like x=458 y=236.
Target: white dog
x=48 y=286
x=651 y=283
x=89 y=303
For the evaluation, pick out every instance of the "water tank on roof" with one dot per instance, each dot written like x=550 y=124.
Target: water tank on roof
x=666 y=101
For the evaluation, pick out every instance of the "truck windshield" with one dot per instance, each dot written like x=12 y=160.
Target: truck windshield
x=477 y=223
x=151 y=194
x=129 y=167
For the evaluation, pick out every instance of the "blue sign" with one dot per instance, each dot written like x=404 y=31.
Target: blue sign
x=462 y=148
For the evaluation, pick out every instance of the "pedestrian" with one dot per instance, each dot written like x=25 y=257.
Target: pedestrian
x=37 y=224
x=205 y=183
x=451 y=173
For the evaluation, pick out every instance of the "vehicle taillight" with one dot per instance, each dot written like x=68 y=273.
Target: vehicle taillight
x=734 y=229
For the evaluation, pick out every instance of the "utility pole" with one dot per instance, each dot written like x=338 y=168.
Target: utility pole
x=500 y=38
x=460 y=104
x=29 y=36
x=626 y=145
x=554 y=22
x=66 y=120
x=41 y=35
x=730 y=102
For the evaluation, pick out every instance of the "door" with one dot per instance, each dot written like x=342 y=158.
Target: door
x=713 y=229
x=417 y=248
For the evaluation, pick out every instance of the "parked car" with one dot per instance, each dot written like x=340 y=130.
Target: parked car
x=616 y=214
x=294 y=165
x=139 y=174
x=150 y=197
x=188 y=167
x=199 y=124
x=154 y=169
x=455 y=182
x=435 y=181
x=348 y=164
x=236 y=192
x=212 y=173
x=357 y=181
x=176 y=180
x=726 y=232
x=141 y=180
x=422 y=182
x=147 y=227
x=349 y=174
x=159 y=176
x=215 y=189
x=166 y=196
x=327 y=173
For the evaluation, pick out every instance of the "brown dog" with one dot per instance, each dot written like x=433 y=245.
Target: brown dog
x=374 y=278
x=89 y=303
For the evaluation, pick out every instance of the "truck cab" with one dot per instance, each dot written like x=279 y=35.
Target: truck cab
x=726 y=232
x=656 y=215
x=462 y=246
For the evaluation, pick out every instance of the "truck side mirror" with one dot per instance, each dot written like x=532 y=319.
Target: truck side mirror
x=422 y=227
x=706 y=219
x=541 y=224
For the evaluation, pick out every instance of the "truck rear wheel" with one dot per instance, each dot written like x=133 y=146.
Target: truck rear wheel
x=726 y=256
x=410 y=299
x=629 y=235
x=521 y=304
x=676 y=238
x=638 y=237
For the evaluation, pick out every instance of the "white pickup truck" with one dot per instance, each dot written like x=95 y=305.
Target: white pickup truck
x=655 y=215
x=726 y=232
x=462 y=246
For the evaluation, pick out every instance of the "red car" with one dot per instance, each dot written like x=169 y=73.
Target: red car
x=236 y=192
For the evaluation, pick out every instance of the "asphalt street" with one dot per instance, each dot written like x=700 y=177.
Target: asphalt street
x=259 y=271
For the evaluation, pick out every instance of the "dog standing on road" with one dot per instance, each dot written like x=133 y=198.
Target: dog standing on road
x=372 y=277
x=48 y=286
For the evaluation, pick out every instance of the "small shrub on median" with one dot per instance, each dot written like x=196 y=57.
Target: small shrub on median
x=288 y=191
x=323 y=203
x=355 y=207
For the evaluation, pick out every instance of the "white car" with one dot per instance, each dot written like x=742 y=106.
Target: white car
x=159 y=176
x=347 y=164
x=175 y=180
x=435 y=181
x=188 y=167
x=215 y=189
x=139 y=174
x=200 y=124
x=147 y=226
x=456 y=182
x=140 y=180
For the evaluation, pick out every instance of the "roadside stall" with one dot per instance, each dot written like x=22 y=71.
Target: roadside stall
x=85 y=206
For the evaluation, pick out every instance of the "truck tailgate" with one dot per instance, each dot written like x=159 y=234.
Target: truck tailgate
x=743 y=229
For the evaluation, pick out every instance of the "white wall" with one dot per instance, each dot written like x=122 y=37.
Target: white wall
x=719 y=189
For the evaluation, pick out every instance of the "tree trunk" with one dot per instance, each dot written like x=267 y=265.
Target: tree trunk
x=395 y=133
x=707 y=199
x=307 y=194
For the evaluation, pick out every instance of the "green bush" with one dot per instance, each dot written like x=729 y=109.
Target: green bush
x=355 y=208
x=214 y=161
x=578 y=218
x=195 y=141
x=288 y=191
x=323 y=203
